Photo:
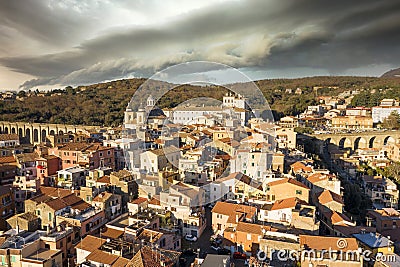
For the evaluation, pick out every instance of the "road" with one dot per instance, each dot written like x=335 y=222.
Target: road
x=203 y=243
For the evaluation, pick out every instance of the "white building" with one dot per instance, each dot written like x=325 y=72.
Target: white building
x=221 y=189
x=9 y=140
x=379 y=114
x=127 y=152
x=255 y=163
x=186 y=203
x=73 y=177
x=153 y=161
x=233 y=108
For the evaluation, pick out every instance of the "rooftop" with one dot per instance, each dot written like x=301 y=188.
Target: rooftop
x=373 y=240
x=325 y=242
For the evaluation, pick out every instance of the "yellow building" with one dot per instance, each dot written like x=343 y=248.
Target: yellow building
x=352 y=122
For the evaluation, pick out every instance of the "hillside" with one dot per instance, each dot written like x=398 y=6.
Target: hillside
x=104 y=103
x=392 y=73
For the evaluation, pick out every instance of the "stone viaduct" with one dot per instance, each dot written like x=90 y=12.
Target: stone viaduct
x=37 y=132
x=370 y=139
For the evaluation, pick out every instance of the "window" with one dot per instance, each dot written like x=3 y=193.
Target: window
x=248 y=236
x=13 y=259
x=38 y=212
x=299 y=192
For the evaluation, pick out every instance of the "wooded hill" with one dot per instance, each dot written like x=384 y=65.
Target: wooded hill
x=104 y=103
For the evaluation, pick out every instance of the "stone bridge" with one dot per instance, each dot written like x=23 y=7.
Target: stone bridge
x=371 y=139
x=37 y=132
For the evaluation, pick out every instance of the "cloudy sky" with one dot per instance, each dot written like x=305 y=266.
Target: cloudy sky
x=55 y=43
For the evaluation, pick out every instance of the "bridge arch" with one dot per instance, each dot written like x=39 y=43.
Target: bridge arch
x=13 y=130
x=360 y=142
x=52 y=132
x=371 y=142
x=344 y=143
x=388 y=140
x=20 y=132
x=6 y=130
x=43 y=135
x=327 y=141
x=60 y=132
x=28 y=134
x=35 y=135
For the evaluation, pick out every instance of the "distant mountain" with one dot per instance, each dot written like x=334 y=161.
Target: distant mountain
x=392 y=73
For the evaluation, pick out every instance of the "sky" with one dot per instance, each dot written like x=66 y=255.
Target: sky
x=56 y=43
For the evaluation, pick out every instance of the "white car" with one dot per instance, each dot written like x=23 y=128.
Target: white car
x=191 y=238
x=214 y=247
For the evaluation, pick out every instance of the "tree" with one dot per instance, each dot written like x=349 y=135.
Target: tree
x=304 y=130
x=393 y=171
x=392 y=121
x=21 y=93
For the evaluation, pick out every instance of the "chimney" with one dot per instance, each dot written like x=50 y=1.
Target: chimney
x=237 y=217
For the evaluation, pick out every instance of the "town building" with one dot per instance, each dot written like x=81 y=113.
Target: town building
x=86 y=155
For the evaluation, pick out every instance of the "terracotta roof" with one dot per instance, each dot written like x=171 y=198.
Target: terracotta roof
x=287 y=203
x=112 y=233
x=41 y=198
x=71 y=200
x=154 y=201
x=56 y=204
x=336 y=218
x=120 y=262
x=139 y=200
x=232 y=210
x=148 y=257
x=251 y=228
x=8 y=137
x=81 y=206
x=90 y=243
x=102 y=257
x=316 y=177
x=55 y=192
x=7 y=159
x=329 y=196
x=300 y=166
x=229 y=141
x=325 y=242
x=27 y=157
x=287 y=180
x=150 y=235
x=105 y=179
x=102 y=197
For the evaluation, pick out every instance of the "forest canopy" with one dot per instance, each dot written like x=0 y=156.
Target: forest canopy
x=104 y=103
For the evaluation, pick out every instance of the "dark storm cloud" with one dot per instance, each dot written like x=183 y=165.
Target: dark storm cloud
x=334 y=35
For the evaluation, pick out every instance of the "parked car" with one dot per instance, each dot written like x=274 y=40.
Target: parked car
x=224 y=251
x=215 y=247
x=239 y=255
x=191 y=238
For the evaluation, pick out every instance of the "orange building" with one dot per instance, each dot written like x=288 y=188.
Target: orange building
x=87 y=155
